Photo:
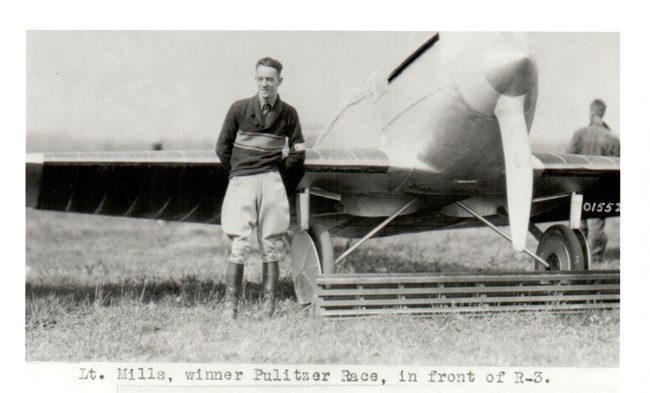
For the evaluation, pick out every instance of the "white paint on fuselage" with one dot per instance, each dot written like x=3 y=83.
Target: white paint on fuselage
x=422 y=120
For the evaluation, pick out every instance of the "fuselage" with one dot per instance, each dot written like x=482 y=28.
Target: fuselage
x=435 y=120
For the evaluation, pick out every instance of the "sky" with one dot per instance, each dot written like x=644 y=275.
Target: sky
x=91 y=90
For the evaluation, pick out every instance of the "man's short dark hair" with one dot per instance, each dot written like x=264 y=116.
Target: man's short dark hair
x=598 y=107
x=269 y=62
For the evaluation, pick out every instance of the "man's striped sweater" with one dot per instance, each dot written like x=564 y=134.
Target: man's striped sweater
x=248 y=145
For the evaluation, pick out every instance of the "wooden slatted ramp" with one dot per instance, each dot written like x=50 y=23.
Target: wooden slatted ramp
x=355 y=295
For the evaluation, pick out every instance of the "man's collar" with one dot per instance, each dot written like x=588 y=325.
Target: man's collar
x=597 y=121
x=272 y=101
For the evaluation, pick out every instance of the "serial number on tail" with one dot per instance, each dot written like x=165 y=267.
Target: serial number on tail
x=602 y=207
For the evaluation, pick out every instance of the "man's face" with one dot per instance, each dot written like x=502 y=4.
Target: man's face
x=267 y=80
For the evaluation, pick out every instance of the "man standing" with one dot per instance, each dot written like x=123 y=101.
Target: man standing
x=595 y=140
x=250 y=147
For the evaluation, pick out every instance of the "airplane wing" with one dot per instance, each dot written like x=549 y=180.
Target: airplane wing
x=165 y=185
x=190 y=186
x=555 y=176
x=565 y=172
x=334 y=175
x=346 y=161
x=597 y=178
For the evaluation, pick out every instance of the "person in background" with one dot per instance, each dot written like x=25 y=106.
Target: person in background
x=596 y=140
x=250 y=147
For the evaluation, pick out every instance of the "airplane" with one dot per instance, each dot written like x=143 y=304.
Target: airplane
x=439 y=142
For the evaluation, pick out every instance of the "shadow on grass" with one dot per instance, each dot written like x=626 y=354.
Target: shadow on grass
x=188 y=291
x=612 y=253
x=366 y=262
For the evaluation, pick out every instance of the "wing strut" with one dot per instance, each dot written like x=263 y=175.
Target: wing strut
x=497 y=230
x=374 y=231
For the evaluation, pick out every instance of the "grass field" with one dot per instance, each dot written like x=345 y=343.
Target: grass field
x=117 y=289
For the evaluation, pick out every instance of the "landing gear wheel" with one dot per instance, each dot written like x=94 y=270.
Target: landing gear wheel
x=561 y=248
x=584 y=244
x=312 y=253
x=323 y=242
x=305 y=266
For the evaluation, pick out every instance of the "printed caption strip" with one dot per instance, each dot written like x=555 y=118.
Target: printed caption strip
x=204 y=378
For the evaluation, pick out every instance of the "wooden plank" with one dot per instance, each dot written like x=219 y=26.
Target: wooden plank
x=322 y=280
x=464 y=281
x=322 y=292
x=470 y=300
x=474 y=273
x=418 y=278
x=469 y=310
x=467 y=292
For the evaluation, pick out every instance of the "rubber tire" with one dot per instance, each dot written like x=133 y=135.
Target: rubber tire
x=305 y=266
x=561 y=247
x=584 y=244
x=324 y=246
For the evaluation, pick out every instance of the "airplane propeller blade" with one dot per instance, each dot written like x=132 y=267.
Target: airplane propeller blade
x=518 y=164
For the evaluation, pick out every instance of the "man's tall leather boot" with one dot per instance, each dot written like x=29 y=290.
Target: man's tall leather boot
x=234 y=276
x=270 y=276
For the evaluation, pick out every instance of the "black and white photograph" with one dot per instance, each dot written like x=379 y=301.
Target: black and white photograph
x=325 y=209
